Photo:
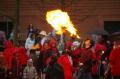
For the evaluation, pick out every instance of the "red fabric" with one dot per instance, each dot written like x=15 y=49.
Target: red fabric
x=64 y=61
x=99 y=47
x=2 y=61
x=68 y=44
x=86 y=54
x=22 y=55
x=45 y=57
x=86 y=58
x=52 y=41
x=76 y=57
x=55 y=51
x=97 y=56
x=8 y=44
x=8 y=53
x=115 y=62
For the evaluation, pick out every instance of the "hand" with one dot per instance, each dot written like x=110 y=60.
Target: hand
x=80 y=64
x=106 y=73
x=10 y=73
x=103 y=62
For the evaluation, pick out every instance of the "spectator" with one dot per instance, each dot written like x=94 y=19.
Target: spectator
x=114 y=60
x=30 y=71
x=29 y=43
x=86 y=61
x=66 y=63
x=54 y=70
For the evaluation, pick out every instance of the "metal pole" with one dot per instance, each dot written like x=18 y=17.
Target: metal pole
x=17 y=22
x=62 y=5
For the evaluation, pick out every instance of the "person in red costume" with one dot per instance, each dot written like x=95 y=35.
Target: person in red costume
x=65 y=61
x=22 y=56
x=76 y=57
x=114 y=60
x=98 y=65
x=86 y=60
x=54 y=49
x=53 y=46
x=44 y=57
x=8 y=53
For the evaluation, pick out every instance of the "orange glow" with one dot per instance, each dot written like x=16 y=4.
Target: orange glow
x=60 y=21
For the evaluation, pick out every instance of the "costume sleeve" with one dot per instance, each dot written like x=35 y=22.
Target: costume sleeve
x=112 y=57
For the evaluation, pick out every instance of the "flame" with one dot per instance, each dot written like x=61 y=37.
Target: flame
x=60 y=21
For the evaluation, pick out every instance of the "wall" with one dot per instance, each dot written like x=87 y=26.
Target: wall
x=86 y=15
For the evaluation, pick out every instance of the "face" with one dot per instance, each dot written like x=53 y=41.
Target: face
x=87 y=43
x=46 y=46
x=30 y=64
x=33 y=36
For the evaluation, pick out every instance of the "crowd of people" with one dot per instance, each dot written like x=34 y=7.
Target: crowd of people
x=43 y=56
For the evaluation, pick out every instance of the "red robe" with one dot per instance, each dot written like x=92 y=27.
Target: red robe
x=22 y=55
x=95 y=64
x=8 y=53
x=86 y=58
x=76 y=57
x=64 y=61
x=98 y=49
x=96 y=57
x=115 y=61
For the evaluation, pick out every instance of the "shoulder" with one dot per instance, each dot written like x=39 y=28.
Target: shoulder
x=28 y=39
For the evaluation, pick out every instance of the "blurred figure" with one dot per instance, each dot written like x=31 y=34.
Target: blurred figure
x=99 y=50
x=8 y=53
x=114 y=60
x=16 y=70
x=37 y=31
x=30 y=30
x=86 y=60
x=30 y=71
x=66 y=62
x=44 y=58
x=44 y=37
x=105 y=58
x=30 y=41
x=54 y=70
x=54 y=49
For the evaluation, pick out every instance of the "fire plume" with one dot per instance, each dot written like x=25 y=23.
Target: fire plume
x=61 y=22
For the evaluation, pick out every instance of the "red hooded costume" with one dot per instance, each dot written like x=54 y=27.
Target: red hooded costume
x=115 y=61
x=22 y=55
x=96 y=57
x=64 y=61
x=8 y=53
